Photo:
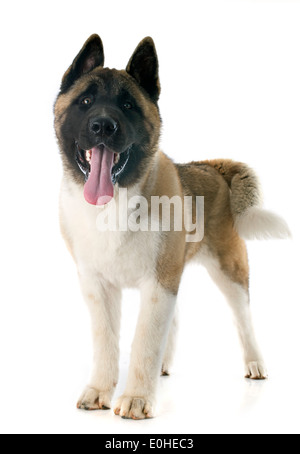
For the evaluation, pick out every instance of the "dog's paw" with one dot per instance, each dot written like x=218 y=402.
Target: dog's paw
x=134 y=408
x=92 y=399
x=165 y=371
x=256 y=370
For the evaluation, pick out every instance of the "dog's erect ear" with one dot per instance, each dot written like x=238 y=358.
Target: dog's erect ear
x=90 y=56
x=143 y=67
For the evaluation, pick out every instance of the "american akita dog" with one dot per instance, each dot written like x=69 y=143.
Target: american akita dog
x=108 y=128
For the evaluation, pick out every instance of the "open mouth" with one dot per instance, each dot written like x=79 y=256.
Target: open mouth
x=102 y=169
x=84 y=158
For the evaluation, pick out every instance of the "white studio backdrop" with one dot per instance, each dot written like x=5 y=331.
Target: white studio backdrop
x=230 y=73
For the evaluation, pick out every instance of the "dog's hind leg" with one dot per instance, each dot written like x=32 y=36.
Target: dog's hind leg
x=171 y=345
x=230 y=271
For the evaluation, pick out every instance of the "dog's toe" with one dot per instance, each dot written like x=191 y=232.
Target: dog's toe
x=256 y=370
x=136 y=408
x=93 y=399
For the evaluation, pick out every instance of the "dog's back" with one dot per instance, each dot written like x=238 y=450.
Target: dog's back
x=251 y=221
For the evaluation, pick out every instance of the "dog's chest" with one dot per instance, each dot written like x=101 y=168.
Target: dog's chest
x=123 y=258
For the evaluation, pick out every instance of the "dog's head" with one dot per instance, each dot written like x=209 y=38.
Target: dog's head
x=107 y=121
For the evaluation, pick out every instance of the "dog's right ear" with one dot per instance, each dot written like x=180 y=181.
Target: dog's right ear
x=90 y=57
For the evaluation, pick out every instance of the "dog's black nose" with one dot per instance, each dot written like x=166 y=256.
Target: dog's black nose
x=105 y=126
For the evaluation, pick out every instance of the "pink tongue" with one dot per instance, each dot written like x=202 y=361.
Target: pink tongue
x=99 y=189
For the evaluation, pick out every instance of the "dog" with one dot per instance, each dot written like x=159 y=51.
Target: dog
x=108 y=127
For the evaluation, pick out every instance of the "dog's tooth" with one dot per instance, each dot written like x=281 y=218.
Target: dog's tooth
x=88 y=155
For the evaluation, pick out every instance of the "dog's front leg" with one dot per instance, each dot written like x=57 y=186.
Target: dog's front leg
x=156 y=315
x=103 y=301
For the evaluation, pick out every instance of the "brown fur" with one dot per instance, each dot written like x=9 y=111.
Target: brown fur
x=221 y=238
x=171 y=258
x=228 y=187
x=243 y=182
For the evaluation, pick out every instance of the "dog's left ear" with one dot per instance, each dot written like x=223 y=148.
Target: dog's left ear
x=90 y=57
x=143 y=67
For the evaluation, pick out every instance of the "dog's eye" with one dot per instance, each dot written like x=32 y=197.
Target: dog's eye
x=128 y=105
x=86 y=101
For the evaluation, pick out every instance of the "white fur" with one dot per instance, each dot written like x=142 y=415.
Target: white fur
x=156 y=314
x=107 y=262
x=238 y=299
x=107 y=253
x=171 y=345
x=257 y=223
x=103 y=300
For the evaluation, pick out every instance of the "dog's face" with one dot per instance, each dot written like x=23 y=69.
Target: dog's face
x=107 y=121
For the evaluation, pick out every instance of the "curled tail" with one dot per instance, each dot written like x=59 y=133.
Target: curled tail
x=251 y=220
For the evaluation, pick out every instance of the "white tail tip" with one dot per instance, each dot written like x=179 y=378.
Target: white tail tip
x=260 y=224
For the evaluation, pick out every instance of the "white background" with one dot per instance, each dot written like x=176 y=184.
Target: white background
x=230 y=75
